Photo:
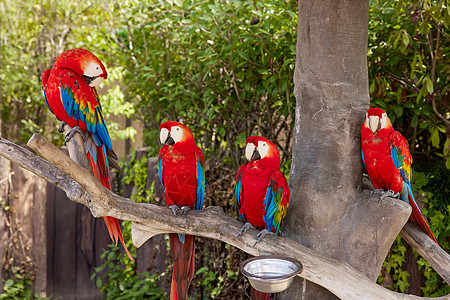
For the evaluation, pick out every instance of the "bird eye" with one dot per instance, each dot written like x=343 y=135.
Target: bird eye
x=97 y=67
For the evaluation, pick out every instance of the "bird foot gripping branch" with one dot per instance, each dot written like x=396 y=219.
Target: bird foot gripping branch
x=247 y=226
x=69 y=135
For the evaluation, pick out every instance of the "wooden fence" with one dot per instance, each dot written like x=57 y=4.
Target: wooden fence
x=57 y=242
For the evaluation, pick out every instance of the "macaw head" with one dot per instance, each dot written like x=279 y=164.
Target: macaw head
x=262 y=150
x=377 y=119
x=84 y=63
x=175 y=132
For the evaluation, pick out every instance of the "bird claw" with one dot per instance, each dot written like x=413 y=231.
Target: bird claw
x=376 y=192
x=390 y=193
x=174 y=209
x=262 y=234
x=184 y=210
x=72 y=132
x=61 y=128
x=245 y=228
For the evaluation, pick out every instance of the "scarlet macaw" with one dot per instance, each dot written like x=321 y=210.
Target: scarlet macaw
x=386 y=156
x=70 y=94
x=261 y=193
x=181 y=170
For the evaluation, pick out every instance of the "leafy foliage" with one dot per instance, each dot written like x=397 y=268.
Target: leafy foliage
x=224 y=68
x=18 y=287
x=408 y=71
x=117 y=279
x=32 y=34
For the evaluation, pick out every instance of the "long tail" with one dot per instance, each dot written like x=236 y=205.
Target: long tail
x=257 y=295
x=98 y=160
x=182 y=248
x=418 y=217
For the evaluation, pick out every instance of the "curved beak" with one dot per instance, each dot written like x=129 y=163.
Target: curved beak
x=93 y=81
x=169 y=140
x=256 y=155
x=374 y=123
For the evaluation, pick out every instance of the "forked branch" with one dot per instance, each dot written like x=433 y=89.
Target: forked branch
x=149 y=220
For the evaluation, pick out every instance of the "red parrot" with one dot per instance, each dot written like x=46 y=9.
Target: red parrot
x=181 y=169
x=386 y=156
x=70 y=94
x=261 y=193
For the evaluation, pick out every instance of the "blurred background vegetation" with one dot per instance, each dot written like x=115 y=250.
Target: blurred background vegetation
x=225 y=69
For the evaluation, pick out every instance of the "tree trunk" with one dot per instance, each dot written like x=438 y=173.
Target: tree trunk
x=327 y=212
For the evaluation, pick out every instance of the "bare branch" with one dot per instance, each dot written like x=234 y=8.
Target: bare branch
x=428 y=249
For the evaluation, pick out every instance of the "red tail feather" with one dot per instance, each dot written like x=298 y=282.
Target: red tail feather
x=257 y=295
x=183 y=265
x=418 y=218
x=101 y=172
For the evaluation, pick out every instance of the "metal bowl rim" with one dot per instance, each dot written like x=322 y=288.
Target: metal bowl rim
x=286 y=276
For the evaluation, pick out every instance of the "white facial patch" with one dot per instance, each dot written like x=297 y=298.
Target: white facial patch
x=93 y=70
x=177 y=133
x=163 y=135
x=263 y=148
x=249 y=151
x=383 y=121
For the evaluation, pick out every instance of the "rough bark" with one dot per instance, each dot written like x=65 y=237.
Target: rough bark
x=5 y=173
x=148 y=220
x=327 y=212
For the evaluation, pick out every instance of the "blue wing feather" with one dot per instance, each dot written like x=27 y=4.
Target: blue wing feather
x=94 y=125
x=200 y=186
x=276 y=201
x=237 y=199
x=160 y=172
x=271 y=206
x=362 y=156
x=394 y=155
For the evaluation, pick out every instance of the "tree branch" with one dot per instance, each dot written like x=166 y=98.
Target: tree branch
x=149 y=220
x=428 y=249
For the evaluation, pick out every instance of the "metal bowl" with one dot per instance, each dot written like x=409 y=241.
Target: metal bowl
x=271 y=274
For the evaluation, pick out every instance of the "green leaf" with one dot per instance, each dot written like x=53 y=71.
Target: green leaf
x=447 y=16
x=429 y=85
x=202 y=270
x=435 y=138
x=399 y=111
x=414 y=121
x=98 y=283
x=372 y=86
x=405 y=39
x=447 y=146
x=413 y=67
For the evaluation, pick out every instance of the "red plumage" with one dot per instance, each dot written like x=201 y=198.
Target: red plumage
x=181 y=170
x=388 y=161
x=261 y=193
x=256 y=177
x=69 y=91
